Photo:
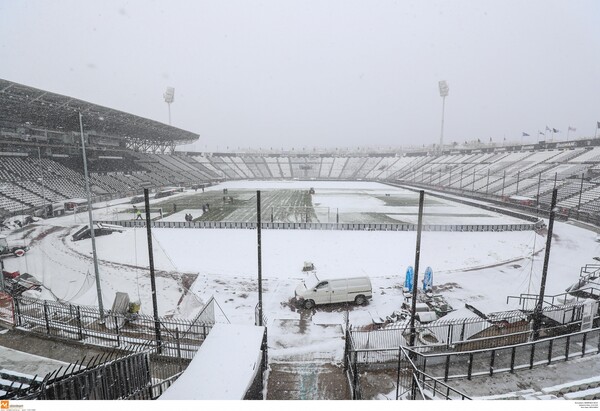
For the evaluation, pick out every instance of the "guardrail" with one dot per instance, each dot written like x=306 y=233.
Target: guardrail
x=510 y=358
x=328 y=226
x=180 y=338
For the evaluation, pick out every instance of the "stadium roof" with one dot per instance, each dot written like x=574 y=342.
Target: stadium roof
x=28 y=106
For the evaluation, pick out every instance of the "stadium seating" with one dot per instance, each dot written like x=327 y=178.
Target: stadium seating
x=505 y=173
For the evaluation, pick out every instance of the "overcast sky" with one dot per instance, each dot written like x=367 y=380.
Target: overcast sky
x=285 y=74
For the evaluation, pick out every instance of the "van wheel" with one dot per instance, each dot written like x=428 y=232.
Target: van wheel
x=308 y=304
x=360 y=300
x=19 y=252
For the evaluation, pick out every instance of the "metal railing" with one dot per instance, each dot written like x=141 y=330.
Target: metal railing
x=414 y=384
x=327 y=226
x=510 y=358
x=179 y=338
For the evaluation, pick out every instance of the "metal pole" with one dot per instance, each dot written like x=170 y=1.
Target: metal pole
x=169 y=105
x=518 y=178
x=487 y=185
x=503 y=181
x=43 y=186
x=580 y=192
x=442 y=133
x=259 y=244
x=91 y=222
x=537 y=315
x=537 y=197
x=473 y=186
x=152 y=280
x=413 y=306
x=1 y=276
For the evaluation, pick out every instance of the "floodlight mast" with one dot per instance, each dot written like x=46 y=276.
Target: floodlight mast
x=169 y=97
x=443 y=93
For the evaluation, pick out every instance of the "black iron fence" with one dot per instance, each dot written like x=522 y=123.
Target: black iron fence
x=509 y=358
x=178 y=338
x=461 y=348
x=414 y=384
x=114 y=375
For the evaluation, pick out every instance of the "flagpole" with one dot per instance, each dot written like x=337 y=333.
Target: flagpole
x=568 y=132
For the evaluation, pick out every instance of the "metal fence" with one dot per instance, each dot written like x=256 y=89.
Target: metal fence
x=330 y=226
x=510 y=358
x=178 y=338
x=114 y=375
x=503 y=342
x=464 y=334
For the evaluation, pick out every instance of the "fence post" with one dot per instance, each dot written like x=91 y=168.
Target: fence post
x=46 y=317
x=531 y=355
x=79 y=327
x=398 y=372
x=347 y=346
x=492 y=360
x=470 y=366
x=355 y=378
x=550 y=351
x=178 y=343
x=567 y=347
x=117 y=330
x=18 y=322
x=512 y=359
x=583 y=344
x=447 y=368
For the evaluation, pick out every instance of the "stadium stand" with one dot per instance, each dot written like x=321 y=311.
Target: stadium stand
x=40 y=160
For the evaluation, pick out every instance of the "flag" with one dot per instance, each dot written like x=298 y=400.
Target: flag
x=598 y=126
x=548 y=128
x=539 y=132
x=555 y=130
x=572 y=128
x=525 y=134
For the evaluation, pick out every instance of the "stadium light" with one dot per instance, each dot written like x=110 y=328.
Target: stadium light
x=443 y=93
x=169 y=97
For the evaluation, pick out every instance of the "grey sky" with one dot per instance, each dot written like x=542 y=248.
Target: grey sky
x=299 y=74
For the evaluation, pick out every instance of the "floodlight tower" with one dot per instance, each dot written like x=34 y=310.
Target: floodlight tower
x=169 y=97
x=443 y=93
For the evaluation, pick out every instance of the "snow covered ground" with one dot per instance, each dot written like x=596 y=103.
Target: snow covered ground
x=478 y=268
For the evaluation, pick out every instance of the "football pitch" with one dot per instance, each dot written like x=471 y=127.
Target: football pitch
x=370 y=204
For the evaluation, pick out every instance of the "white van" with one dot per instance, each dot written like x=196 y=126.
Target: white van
x=335 y=290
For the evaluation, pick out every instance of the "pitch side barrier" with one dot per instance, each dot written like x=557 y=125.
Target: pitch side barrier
x=510 y=213
x=330 y=226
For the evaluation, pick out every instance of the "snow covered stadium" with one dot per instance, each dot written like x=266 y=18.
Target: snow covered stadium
x=335 y=215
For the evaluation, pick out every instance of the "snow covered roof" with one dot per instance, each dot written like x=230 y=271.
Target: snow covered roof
x=224 y=366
